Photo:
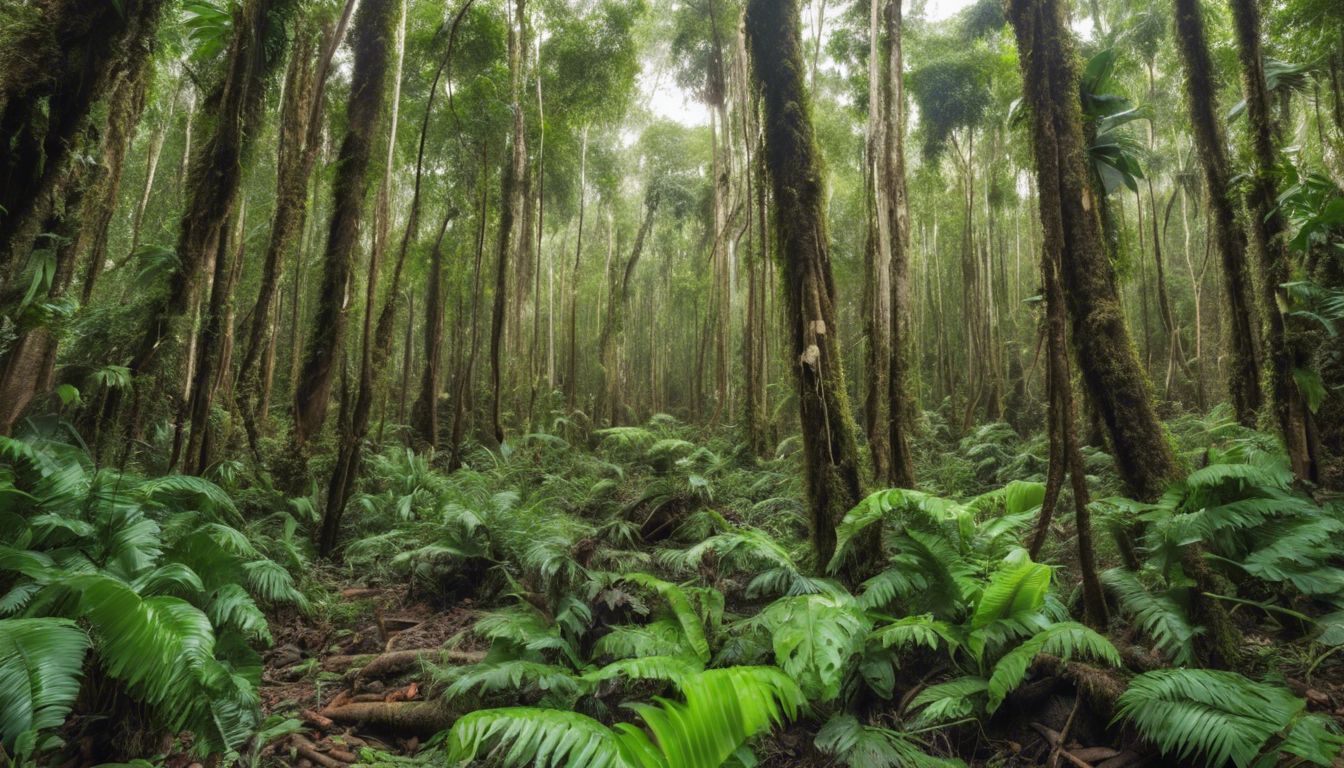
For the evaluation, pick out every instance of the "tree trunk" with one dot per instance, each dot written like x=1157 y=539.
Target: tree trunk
x=1284 y=348
x=1068 y=207
x=830 y=454
x=900 y=399
x=70 y=56
x=511 y=198
x=372 y=358
x=1243 y=383
x=312 y=392
x=212 y=185
x=877 y=279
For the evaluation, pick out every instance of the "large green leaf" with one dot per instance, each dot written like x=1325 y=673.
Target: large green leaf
x=41 y=661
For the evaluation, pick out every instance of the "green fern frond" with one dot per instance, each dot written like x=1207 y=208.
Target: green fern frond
x=814 y=639
x=913 y=631
x=1065 y=639
x=683 y=612
x=672 y=669
x=1159 y=616
x=954 y=700
x=1221 y=717
x=41 y=661
x=866 y=746
x=513 y=675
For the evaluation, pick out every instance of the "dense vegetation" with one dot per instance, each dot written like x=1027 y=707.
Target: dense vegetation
x=674 y=383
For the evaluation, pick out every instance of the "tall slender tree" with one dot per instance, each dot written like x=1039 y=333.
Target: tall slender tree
x=1109 y=365
x=1243 y=371
x=370 y=40
x=830 y=452
x=1284 y=351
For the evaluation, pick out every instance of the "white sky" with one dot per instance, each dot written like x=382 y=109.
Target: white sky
x=665 y=99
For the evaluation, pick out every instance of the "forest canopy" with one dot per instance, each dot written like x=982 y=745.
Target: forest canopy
x=680 y=383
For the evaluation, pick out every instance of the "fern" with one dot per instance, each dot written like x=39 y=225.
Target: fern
x=814 y=639
x=954 y=700
x=723 y=709
x=683 y=612
x=1159 y=616
x=1222 y=717
x=41 y=661
x=867 y=746
x=1065 y=639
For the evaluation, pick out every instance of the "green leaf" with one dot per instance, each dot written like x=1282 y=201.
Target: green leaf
x=41 y=661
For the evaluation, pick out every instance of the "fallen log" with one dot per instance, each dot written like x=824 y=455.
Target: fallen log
x=412 y=717
x=396 y=662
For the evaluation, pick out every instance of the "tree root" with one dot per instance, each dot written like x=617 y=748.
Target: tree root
x=1098 y=687
x=412 y=717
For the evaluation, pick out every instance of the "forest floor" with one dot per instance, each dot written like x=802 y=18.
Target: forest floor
x=362 y=678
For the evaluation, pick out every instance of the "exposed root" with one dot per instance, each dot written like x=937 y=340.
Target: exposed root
x=410 y=717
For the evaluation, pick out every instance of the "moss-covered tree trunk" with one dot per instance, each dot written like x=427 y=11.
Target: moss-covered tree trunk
x=299 y=140
x=1229 y=239
x=233 y=110
x=1284 y=351
x=59 y=59
x=830 y=453
x=1069 y=215
x=368 y=98
x=877 y=251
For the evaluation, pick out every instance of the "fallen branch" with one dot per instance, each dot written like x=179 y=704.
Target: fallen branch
x=308 y=749
x=313 y=718
x=417 y=717
x=396 y=662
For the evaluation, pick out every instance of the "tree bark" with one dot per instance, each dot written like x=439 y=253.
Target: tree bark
x=1243 y=383
x=900 y=399
x=1284 y=350
x=511 y=198
x=830 y=453
x=370 y=42
x=1069 y=216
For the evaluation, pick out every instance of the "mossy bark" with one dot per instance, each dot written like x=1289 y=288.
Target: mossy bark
x=57 y=60
x=830 y=453
x=1284 y=350
x=372 y=33
x=900 y=401
x=1071 y=225
x=233 y=110
x=296 y=155
x=370 y=42
x=1243 y=371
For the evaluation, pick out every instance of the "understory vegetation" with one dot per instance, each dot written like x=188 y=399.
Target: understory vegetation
x=644 y=598
x=671 y=383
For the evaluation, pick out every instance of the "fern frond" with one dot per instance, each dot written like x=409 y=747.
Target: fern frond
x=1161 y=618
x=682 y=611
x=814 y=638
x=41 y=661
x=1223 y=717
x=866 y=746
x=953 y=700
x=1065 y=639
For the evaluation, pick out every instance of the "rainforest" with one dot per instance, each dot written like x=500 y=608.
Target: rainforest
x=671 y=383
